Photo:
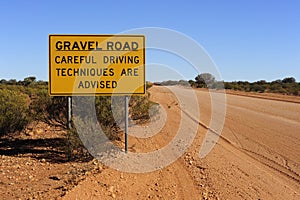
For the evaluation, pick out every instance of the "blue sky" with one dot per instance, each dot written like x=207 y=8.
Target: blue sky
x=248 y=40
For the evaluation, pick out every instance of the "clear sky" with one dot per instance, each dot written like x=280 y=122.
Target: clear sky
x=248 y=40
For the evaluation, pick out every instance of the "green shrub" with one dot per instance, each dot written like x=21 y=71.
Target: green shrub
x=258 y=88
x=83 y=107
x=109 y=118
x=14 y=109
x=148 y=85
x=48 y=109
x=139 y=107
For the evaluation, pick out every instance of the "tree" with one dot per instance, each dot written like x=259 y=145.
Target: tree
x=261 y=82
x=27 y=81
x=183 y=82
x=12 y=82
x=205 y=80
x=3 y=81
x=278 y=81
x=192 y=83
x=258 y=88
x=289 y=80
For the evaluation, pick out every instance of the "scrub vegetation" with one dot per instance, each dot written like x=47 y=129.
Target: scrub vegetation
x=23 y=102
x=286 y=86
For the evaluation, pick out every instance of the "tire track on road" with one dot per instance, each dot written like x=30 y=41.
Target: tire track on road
x=288 y=172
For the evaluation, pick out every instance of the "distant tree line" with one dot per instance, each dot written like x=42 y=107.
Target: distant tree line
x=31 y=80
x=171 y=82
x=288 y=86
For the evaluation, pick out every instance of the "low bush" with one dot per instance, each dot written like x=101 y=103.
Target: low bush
x=141 y=108
x=14 y=110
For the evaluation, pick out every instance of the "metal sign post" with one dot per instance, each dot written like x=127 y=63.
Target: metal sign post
x=69 y=126
x=126 y=124
x=69 y=112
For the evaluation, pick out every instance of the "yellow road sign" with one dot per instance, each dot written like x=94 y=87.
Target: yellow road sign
x=96 y=64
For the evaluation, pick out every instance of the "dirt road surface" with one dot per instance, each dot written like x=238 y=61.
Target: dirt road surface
x=257 y=155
